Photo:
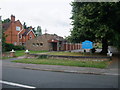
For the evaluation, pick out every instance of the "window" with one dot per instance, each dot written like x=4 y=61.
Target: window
x=20 y=43
x=30 y=36
x=37 y=44
x=33 y=44
x=23 y=43
x=20 y=36
x=15 y=43
x=41 y=44
x=17 y=28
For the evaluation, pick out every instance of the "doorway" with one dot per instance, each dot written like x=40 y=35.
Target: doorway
x=54 y=46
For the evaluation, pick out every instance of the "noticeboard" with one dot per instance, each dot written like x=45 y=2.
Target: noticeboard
x=87 y=44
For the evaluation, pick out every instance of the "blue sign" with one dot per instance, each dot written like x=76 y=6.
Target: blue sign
x=87 y=44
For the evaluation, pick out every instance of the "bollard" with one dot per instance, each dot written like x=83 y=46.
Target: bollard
x=27 y=53
x=109 y=53
x=12 y=53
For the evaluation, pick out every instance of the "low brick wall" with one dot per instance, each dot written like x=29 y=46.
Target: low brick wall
x=80 y=58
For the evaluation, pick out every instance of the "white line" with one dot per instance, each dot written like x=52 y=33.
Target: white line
x=15 y=84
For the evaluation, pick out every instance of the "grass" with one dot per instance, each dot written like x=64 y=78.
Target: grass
x=74 y=54
x=21 y=53
x=93 y=64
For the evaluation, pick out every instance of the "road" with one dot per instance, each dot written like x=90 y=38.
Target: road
x=20 y=78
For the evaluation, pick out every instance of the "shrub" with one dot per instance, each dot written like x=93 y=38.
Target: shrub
x=92 y=50
x=42 y=57
x=19 y=47
x=9 y=47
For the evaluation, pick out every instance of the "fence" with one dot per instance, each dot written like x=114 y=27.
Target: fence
x=72 y=46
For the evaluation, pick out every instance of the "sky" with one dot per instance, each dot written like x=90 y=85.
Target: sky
x=52 y=15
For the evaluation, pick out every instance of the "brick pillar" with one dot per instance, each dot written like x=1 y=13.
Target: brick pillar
x=70 y=46
x=66 y=46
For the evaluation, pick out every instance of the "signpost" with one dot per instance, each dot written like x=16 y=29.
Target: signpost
x=87 y=45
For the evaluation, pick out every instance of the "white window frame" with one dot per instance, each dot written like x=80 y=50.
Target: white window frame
x=30 y=36
x=17 y=28
x=20 y=36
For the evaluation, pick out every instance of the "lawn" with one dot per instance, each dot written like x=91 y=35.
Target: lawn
x=93 y=64
x=21 y=53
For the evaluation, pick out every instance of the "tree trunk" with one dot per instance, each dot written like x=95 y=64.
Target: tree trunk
x=104 y=46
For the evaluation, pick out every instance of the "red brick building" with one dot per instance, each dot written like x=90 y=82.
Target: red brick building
x=15 y=33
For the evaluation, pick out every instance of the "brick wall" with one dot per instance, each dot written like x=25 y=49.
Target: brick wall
x=40 y=43
x=71 y=46
x=11 y=32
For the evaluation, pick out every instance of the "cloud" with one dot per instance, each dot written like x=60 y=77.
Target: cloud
x=51 y=14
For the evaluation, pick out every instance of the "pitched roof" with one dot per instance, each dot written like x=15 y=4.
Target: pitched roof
x=26 y=31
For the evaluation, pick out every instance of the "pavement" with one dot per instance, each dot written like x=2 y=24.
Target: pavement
x=112 y=69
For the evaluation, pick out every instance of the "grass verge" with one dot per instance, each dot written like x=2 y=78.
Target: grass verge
x=93 y=64
x=20 y=53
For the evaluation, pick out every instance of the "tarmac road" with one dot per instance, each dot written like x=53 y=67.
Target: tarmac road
x=24 y=78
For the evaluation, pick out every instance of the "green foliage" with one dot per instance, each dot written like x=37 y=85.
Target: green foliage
x=24 y=25
x=9 y=47
x=39 y=31
x=98 y=21
x=19 y=47
x=43 y=57
x=6 y=20
x=3 y=41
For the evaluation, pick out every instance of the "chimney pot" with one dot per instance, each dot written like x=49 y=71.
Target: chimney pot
x=12 y=18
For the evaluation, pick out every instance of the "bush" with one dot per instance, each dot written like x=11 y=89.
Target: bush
x=42 y=57
x=19 y=47
x=9 y=47
x=92 y=50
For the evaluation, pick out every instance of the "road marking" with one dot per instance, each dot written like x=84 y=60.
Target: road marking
x=15 y=84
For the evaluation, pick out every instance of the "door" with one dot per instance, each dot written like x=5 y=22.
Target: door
x=54 y=46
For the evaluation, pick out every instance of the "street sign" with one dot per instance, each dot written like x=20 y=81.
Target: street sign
x=87 y=44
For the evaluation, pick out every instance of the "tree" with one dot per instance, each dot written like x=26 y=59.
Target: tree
x=39 y=31
x=96 y=21
x=3 y=35
x=6 y=20
x=24 y=25
x=3 y=41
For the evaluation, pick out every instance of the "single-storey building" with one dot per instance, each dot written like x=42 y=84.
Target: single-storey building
x=50 y=42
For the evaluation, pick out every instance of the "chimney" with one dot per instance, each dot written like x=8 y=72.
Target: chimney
x=12 y=18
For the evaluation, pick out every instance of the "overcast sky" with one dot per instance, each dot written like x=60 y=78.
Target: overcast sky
x=53 y=15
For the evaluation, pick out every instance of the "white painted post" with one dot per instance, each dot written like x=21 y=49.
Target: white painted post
x=109 y=53
x=12 y=53
x=27 y=53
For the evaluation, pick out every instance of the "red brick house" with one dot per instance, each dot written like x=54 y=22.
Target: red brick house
x=15 y=33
